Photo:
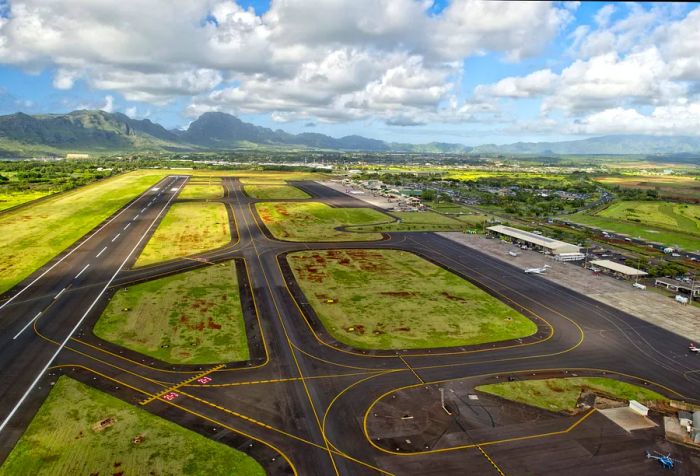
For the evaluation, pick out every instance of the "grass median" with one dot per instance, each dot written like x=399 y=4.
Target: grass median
x=32 y=235
x=187 y=229
x=314 y=221
x=561 y=394
x=189 y=318
x=388 y=299
x=201 y=191
x=275 y=192
x=64 y=438
x=422 y=221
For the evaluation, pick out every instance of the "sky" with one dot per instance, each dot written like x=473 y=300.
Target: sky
x=415 y=71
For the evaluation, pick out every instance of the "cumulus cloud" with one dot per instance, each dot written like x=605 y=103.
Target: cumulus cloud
x=663 y=120
x=331 y=60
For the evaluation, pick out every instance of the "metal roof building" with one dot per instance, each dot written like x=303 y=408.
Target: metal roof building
x=622 y=269
x=550 y=244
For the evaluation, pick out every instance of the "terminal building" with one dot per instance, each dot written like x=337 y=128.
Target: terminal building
x=617 y=269
x=548 y=245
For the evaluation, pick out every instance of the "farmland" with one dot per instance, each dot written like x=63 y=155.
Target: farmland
x=62 y=439
x=314 y=221
x=676 y=224
x=34 y=234
x=188 y=228
x=675 y=187
x=190 y=318
x=422 y=306
x=562 y=394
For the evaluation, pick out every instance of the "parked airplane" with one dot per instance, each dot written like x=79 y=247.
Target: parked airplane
x=693 y=348
x=537 y=270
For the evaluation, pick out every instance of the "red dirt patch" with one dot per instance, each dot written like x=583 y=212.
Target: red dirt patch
x=452 y=297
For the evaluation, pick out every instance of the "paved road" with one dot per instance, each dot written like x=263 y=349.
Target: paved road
x=298 y=405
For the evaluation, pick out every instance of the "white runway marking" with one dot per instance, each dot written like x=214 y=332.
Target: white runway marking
x=80 y=322
x=115 y=237
x=82 y=270
x=127 y=226
x=59 y=293
x=28 y=324
x=101 y=251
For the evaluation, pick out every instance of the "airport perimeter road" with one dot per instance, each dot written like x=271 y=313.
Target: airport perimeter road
x=299 y=404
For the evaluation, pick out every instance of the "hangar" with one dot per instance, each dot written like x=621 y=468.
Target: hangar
x=618 y=269
x=551 y=245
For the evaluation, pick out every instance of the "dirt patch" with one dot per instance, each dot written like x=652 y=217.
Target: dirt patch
x=452 y=297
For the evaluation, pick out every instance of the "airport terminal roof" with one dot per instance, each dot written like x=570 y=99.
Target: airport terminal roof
x=618 y=268
x=543 y=241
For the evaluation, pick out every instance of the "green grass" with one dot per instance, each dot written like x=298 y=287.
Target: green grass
x=274 y=192
x=60 y=440
x=314 y=221
x=187 y=229
x=12 y=199
x=387 y=299
x=189 y=318
x=665 y=222
x=423 y=221
x=32 y=235
x=201 y=191
x=561 y=394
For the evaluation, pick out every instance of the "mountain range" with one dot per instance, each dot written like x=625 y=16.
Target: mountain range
x=99 y=131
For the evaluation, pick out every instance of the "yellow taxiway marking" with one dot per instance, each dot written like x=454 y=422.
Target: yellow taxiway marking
x=184 y=382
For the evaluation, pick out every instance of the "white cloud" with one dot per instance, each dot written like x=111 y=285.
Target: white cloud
x=108 y=105
x=663 y=120
x=534 y=84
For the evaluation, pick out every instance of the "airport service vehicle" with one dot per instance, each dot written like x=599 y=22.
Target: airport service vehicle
x=664 y=460
x=693 y=348
x=541 y=270
x=514 y=253
x=681 y=299
x=639 y=286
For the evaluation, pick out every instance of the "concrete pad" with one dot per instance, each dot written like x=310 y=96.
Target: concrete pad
x=628 y=419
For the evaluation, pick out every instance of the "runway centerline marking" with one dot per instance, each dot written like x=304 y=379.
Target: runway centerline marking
x=115 y=237
x=127 y=226
x=84 y=316
x=101 y=251
x=28 y=324
x=59 y=293
x=137 y=215
x=82 y=271
x=70 y=252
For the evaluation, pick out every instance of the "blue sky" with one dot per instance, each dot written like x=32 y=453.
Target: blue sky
x=400 y=70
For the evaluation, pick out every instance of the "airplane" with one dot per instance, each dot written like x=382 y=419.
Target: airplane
x=664 y=460
x=693 y=348
x=537 y=270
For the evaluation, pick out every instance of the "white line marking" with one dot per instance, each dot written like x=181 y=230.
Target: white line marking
x=127 y=226
x=82 y=270
x=59 y=293
x=28 y=324
x=101 y=251
x=115 y=237
x=70 y=252
x=137 y=215
x=143 y=209
x=79 y=323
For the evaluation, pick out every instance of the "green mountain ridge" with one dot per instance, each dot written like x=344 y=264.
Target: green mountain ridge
x=23 y=135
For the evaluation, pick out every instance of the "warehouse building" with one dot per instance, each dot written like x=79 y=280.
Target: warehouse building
x=540 y=242
x=618 y=269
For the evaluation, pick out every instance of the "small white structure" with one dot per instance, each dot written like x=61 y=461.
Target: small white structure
x=570 y=257
x=637 y=407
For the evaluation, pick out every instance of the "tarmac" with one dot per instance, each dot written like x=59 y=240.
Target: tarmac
x=301 y=404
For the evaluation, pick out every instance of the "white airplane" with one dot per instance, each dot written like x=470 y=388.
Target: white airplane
x=537 y=270
x=693 y=348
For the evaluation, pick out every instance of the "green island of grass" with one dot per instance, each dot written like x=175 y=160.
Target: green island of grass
x=422 y=221
x=13 y=199
x=274 y=192
x=388 y=299
x=314 y=221
x=34 y=234
x=187 y=229
x=201 y=191
x=561 y=394
x=61 y=439
x=189 y=318
x=669 y=223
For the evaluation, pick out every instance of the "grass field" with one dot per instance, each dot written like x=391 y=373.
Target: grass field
x=423 y=221
x=677 y=187
x=314 y=221
x=201 y=191
x=189 y=318
x=274 y=192
x=665 y=222
x=387 y=299
x=12 y=199
x=61 y=440
x=32 y=235
x=187 y=229
x=561 y=394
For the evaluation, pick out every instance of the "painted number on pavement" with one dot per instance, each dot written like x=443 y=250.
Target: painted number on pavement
x=171 y=396
x=204 y=380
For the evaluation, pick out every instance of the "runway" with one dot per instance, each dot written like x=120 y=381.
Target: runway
x=299 y=405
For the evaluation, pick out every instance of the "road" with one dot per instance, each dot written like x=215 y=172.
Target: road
x=299 y=405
